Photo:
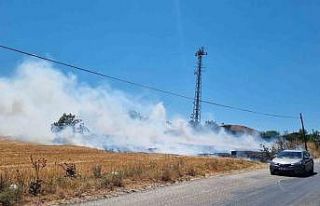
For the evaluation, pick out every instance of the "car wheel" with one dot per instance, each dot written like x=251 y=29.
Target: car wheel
x=311 y=170
x=305 y=172
x=272 y=172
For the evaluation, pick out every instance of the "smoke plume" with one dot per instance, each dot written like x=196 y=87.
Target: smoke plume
x=37 y=94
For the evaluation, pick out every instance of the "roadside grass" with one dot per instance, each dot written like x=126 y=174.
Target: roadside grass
x=99 y=172
x=314 y=149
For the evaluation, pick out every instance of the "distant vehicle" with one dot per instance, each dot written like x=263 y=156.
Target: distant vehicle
x=297 y=162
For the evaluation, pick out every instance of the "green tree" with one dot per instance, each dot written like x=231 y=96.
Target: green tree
x=270 y=135
x=69 y=120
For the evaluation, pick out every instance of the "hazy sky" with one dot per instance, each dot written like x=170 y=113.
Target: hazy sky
x=262 y=55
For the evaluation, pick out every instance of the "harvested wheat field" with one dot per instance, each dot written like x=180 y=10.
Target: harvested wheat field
x=53 y=174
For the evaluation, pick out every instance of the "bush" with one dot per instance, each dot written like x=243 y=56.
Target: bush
x=134 y=171
x=167 y=175
x=38 y=165
x=50 y=186
x=7 y=197
x=35 y=187
x=69 y=168
x=192 y=172
x=112 y=180
x=179 y=167
x=97 y=171
x=10 y=194
x=172 y=171
x=3 y=182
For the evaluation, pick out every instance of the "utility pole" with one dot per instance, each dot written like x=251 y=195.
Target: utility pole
x=196 y=114
x=303 y=133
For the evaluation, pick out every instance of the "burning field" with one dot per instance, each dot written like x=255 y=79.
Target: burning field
x=72 y=140
x=95 y=173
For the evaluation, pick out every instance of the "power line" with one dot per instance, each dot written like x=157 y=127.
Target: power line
x=142 y=85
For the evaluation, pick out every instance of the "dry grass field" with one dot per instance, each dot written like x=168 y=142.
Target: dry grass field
x=97 y=172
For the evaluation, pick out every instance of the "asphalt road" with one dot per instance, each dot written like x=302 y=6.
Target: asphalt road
x=249 y=188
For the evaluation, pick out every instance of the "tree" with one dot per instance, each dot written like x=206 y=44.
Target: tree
x=210 y=124
x=294 y=136
x=270 y=135
x=69 y=120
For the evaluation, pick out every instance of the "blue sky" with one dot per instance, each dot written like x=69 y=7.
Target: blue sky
x=262 y=55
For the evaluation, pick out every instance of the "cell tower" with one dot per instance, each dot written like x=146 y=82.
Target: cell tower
x=196 y=114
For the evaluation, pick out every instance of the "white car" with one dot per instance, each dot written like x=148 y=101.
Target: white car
x=297 y=162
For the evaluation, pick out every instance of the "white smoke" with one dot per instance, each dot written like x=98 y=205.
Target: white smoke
x=38 y=94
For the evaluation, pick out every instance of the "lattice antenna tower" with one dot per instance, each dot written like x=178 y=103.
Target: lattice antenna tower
x=196 y=113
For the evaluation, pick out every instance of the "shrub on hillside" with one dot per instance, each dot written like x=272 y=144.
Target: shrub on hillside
x=10 y=193
x=35 y=185
x=112 y=180
x=69 y=168
x=97 y=171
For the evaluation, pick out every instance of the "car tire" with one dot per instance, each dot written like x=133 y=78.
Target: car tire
x=272 y=172
x=305 y=172
x=312 y=170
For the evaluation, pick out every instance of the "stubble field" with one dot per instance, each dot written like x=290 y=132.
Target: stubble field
x=96 y=172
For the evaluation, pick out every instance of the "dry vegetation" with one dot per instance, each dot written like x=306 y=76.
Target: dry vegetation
x=96 y=172
x=314 y=149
